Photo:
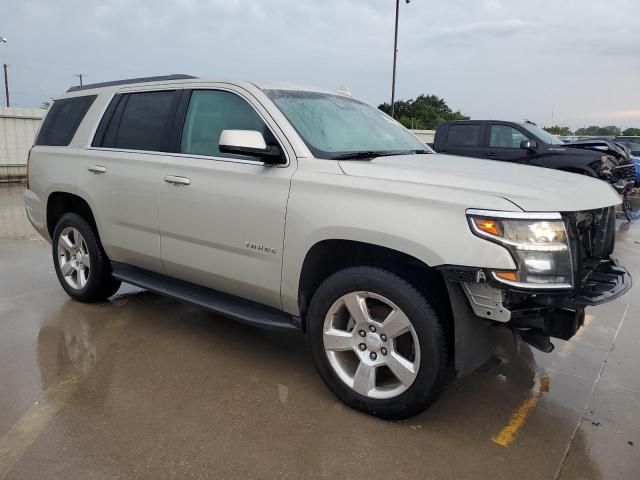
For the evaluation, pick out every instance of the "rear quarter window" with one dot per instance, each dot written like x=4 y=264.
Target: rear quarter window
x=63 y=120
x=465 y=135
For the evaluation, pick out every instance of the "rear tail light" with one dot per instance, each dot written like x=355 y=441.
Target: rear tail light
x=28 y=158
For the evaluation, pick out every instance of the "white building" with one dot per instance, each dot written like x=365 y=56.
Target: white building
x=18 y=127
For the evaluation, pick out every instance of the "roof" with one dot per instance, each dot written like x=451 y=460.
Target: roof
x=128 y=81
x=182 y=78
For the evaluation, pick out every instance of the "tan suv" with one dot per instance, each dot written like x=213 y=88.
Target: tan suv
x=295 y=209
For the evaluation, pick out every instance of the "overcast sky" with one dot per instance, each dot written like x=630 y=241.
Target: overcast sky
x=504 y=59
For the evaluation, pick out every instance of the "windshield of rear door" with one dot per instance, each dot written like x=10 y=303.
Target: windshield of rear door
x=333 y=125
x=543 y=135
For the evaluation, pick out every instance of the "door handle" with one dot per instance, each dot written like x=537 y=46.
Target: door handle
x=97 y=169
x=490 y=154
x=176 y=180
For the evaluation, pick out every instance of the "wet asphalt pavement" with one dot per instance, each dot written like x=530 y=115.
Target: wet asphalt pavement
x=146 y=387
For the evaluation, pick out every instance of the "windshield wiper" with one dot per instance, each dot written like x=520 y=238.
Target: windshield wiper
x=367 y=154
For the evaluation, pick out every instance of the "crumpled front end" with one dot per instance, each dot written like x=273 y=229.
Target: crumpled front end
x=538 y=314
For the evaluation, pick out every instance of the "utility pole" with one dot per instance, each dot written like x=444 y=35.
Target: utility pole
x=6 y=77
x=6 y=83
x=395 y=57
x=80 y=75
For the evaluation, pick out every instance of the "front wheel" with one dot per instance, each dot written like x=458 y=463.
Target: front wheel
x=81 y=264
x=377 y=342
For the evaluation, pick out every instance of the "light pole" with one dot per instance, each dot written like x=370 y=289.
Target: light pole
x=6 y=77
x=395 y=57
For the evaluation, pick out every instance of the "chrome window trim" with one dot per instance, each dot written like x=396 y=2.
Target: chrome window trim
x=189 y=155
x=515 y=215
x=197 y=157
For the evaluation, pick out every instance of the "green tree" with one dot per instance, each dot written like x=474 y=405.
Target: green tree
x=594 y=131
x=425 y=112
x=632 y=132
x=558 y=130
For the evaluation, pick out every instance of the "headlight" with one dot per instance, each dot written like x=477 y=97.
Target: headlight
x=538 y=244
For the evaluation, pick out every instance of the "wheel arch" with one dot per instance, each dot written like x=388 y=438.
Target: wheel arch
x=331 y=255
x=60 y=202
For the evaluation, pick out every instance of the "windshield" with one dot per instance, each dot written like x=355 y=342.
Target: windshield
x=333 y=126
x=543 y=135
x=635 y=148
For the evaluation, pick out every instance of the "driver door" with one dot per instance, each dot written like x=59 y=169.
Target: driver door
x=503 y=143
x=222 y=225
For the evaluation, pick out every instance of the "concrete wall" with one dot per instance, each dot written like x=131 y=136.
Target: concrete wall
x=18 y=127
x=425 y=135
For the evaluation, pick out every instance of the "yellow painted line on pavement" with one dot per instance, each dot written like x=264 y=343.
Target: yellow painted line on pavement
x=28 y=428
x=508 y=434
x=24 y=432
x=519 y=417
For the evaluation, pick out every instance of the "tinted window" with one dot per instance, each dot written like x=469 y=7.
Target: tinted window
x=145 y=121
x=63 y=120
x=465 y=135
x=504 y=136
x=212 y=111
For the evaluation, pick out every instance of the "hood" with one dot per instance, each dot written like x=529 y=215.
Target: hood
x=532 y=189
x=602 y=146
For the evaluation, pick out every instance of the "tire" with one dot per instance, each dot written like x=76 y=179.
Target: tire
x=336 y=339
x=81 y=264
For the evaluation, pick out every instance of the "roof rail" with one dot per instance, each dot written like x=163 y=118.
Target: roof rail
x=177 y=76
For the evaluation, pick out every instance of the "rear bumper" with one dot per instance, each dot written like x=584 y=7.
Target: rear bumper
x=34 y=206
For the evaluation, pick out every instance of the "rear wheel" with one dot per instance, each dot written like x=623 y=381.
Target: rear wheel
x=81 y=264
x=377 y=342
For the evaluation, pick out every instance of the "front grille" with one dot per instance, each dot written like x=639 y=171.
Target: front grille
x=591 y=238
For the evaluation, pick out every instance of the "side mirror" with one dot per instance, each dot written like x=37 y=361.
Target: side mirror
x=250 y=143
x=528 y=145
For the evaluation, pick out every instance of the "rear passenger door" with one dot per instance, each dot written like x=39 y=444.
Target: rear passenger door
x=464 y=139
x=123 y=173
x=503 y=143
x=223 y=227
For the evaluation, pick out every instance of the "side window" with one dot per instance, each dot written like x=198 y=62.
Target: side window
x=465 y=135
x=145 y=121
x=212 y=111
x=63 y=120
x=504 y=136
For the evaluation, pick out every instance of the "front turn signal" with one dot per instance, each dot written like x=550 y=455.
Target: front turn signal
x=510 y=276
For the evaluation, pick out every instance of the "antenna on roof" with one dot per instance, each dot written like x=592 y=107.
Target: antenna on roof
x=344 y=90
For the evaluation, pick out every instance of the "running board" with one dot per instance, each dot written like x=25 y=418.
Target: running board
x=228 y=305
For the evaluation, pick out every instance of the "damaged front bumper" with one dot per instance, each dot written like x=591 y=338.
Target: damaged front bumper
x=540 y=315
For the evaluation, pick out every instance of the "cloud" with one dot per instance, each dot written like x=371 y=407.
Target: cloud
x=472 y=31
x=489 y=58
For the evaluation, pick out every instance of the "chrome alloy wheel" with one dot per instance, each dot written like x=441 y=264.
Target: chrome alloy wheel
x=73 y=258
x=371 y=345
